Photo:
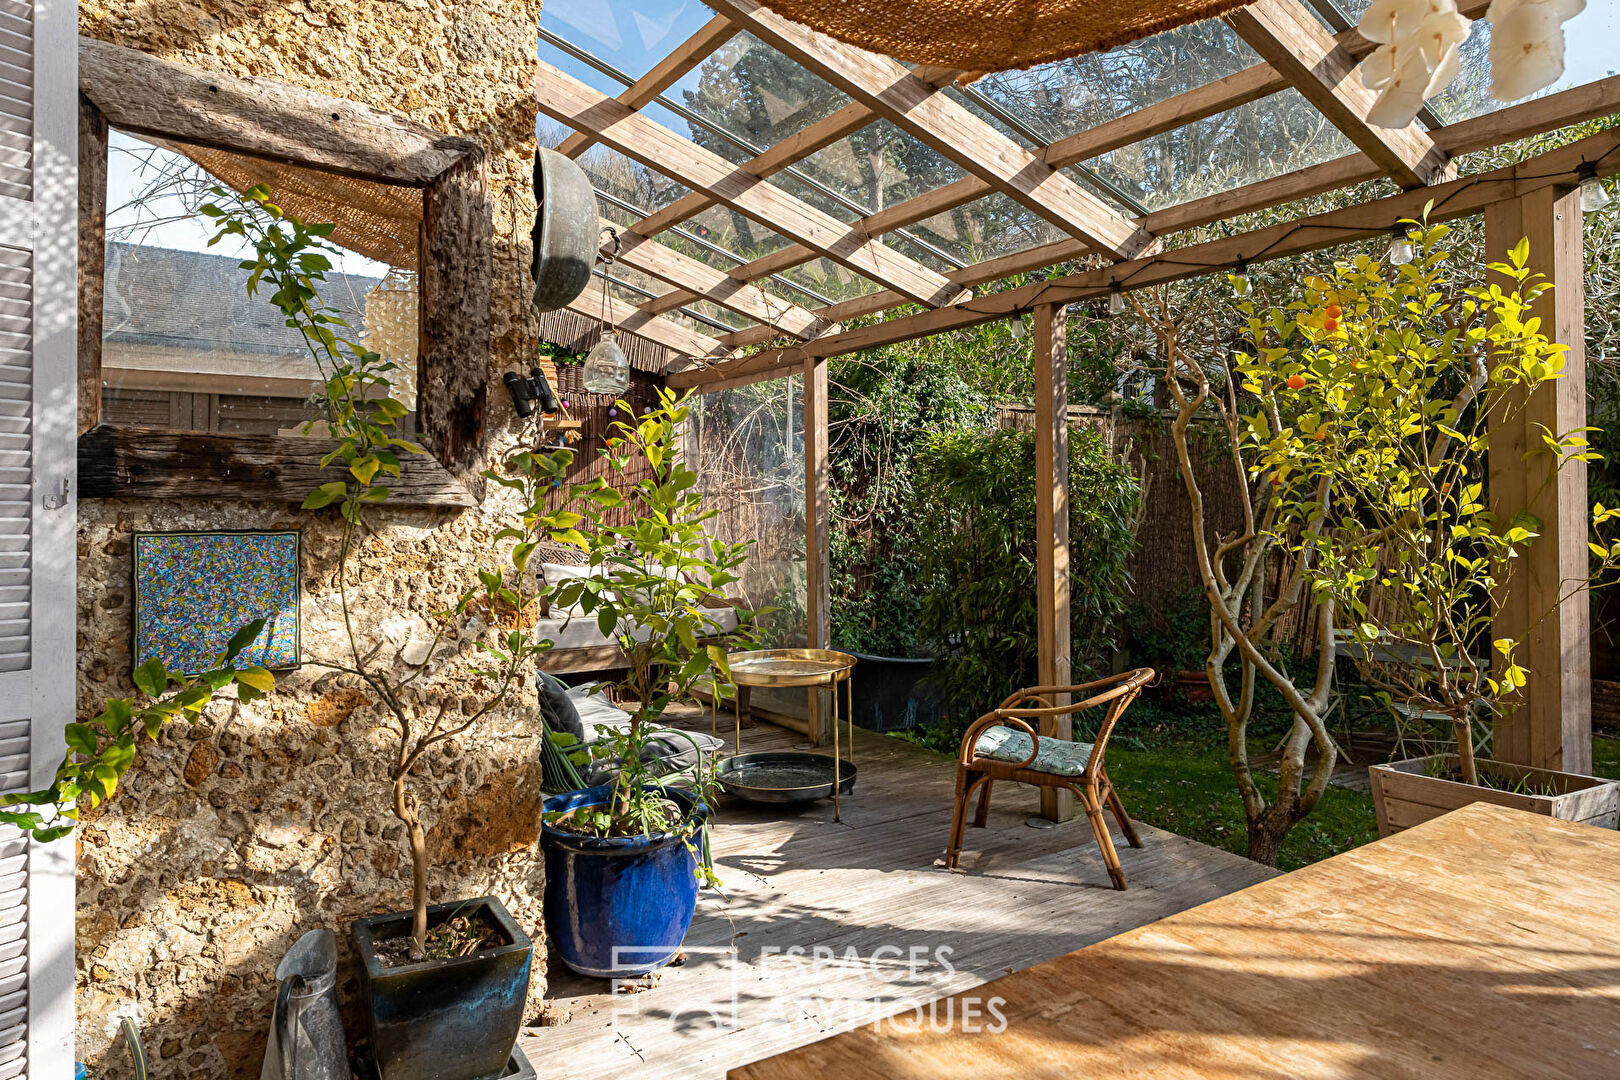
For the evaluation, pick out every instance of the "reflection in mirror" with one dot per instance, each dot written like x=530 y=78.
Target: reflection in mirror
x=183 y=344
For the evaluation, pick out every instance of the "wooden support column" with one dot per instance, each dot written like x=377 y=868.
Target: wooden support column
x=1551 y=728
x=92 y=257
x=817 y=550
x=1052 y=526
x=454 y=287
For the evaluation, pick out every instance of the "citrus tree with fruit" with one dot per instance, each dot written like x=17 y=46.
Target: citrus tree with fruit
x=1374 y=393
x=1357 y=417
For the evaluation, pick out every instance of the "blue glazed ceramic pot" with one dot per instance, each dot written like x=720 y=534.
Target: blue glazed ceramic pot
x=618 y=906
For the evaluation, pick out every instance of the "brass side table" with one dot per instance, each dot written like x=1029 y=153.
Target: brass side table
x=814 y=669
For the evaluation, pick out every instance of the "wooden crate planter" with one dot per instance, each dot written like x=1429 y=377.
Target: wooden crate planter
x=1404 y=794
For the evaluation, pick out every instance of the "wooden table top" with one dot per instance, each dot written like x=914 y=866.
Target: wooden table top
x=1483 y=944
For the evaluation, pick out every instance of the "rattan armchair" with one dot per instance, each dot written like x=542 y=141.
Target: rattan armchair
x=1002 y=745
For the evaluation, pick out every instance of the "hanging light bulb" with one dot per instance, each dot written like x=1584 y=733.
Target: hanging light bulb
x=1016 y=327
x=607 y=369
x=1240 y=279
x=1400 y=246
x=1116 y=299
x=1594 y=196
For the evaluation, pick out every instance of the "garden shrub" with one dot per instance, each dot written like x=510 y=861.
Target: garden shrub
x=976 y=548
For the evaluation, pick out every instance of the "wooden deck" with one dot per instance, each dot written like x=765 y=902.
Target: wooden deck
x=881 y=925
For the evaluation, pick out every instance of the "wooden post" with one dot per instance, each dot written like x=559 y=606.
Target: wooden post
x=454 y=287
x=1551 y=728
x=1052 y=525
x=92 y=257
x=817 y=552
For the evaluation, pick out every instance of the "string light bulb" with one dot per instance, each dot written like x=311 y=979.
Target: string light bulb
x=1116 y=299
x=1400 y=246
x=1240 y=279
x=1594 y=196
x=1015 y=326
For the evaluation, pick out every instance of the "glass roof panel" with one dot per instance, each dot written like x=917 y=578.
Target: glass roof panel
x=1253 y=142
x=754 y=94
x=1062 y=98
x=986 y=228
x=880 y=165
x=632 y=35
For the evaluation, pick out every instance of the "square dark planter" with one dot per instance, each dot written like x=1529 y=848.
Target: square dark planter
x=455 y=1019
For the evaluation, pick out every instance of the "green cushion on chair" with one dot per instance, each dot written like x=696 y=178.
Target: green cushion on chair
x=1058 y=756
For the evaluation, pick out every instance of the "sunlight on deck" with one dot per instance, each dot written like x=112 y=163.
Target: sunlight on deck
x=823 y=927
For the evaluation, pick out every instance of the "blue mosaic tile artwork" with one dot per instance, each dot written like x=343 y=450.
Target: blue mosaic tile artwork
x=193 y=590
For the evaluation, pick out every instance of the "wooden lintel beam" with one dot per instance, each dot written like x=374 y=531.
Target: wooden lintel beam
x=664 y=74
x=565 y=98
x=1302 y=51
x=143 y=95
x=1453 y=199
x=698 y=279
x=915 y=106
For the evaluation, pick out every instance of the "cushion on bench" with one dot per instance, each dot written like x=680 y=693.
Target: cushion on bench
x=1058 y=756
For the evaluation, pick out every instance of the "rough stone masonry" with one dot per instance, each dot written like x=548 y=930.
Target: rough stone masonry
x=231 y=839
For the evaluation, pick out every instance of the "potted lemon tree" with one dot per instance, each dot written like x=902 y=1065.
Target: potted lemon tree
x=624 y=859
x=1376 y=388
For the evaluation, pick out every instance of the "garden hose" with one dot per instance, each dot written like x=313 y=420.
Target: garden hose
x=137 y=1049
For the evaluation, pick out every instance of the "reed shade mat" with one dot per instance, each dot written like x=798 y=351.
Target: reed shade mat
x=1480 y=945
x=380 y=221
x=992 y=35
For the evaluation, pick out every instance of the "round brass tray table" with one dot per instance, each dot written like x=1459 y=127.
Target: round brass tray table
x=813 y=669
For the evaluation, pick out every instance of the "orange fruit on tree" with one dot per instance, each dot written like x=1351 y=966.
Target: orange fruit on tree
x=1296 y=382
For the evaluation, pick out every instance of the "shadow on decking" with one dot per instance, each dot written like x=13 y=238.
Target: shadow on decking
x=826 y=925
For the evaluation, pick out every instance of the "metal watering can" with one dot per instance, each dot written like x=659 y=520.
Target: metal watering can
x=306 y=1032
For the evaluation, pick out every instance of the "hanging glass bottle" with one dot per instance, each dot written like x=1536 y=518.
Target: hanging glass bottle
x=607 y=369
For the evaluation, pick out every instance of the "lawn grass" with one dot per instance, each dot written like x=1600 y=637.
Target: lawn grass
x=1186 y=786
x=1606 y=757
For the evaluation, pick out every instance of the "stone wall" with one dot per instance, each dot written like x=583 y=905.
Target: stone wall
x=231 y=839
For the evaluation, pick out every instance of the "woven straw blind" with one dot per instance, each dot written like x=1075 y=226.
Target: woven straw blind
x=993 y=35
x=380 y=221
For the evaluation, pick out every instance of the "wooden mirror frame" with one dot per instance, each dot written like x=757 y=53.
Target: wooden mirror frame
x=143 y=95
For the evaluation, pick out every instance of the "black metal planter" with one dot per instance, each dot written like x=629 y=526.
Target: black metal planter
x=452 y=1019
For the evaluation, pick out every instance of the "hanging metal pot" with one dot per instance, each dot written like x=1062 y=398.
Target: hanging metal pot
x=566 y=232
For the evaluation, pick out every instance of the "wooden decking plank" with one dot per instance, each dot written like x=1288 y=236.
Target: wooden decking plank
x=793 y=877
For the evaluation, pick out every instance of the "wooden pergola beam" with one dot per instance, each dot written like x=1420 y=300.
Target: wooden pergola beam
x=1229 y=92
x=697 y=279
x=1453 y=199
x=1507 y=125
x=790 y=151
x=1301 y=50
x=664 y=74
x=1054 y=662
x=640 y=138
x=913 y=105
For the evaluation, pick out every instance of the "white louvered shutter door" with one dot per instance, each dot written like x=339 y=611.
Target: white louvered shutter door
x=38 y=429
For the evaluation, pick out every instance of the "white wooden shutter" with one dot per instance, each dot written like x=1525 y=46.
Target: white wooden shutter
x=38 y=446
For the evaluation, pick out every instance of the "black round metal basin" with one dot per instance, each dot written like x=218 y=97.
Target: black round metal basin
x=783 y=776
